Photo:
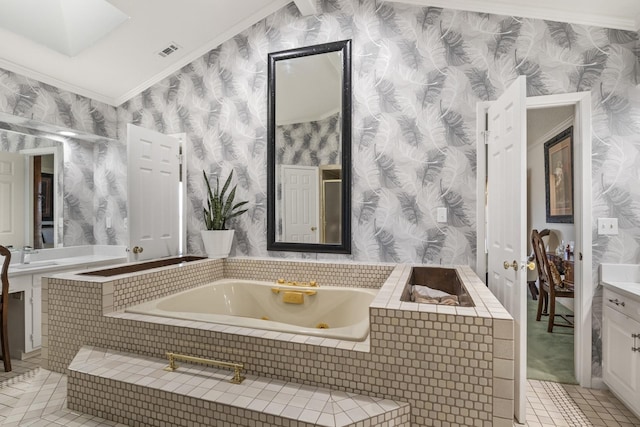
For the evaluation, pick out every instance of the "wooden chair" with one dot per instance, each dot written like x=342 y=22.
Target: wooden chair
x=532 y=283
x=551 y=286
x=4 y=305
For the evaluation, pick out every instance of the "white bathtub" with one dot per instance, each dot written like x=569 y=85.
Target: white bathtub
x=245 y=303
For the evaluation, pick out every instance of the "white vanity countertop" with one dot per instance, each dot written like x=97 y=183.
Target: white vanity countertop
x=52 y=260
x=622 y=278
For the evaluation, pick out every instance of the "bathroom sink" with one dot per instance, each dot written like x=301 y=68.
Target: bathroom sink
x=36 y=264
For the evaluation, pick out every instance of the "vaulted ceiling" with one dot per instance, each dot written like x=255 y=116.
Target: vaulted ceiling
x=128 y=61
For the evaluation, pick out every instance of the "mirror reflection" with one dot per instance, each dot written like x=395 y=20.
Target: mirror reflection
x=31 y=190
x=309 y=156
x=38 y=207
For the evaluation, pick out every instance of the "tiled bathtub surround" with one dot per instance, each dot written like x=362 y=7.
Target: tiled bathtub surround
x=138 y=390
x=453 y=365
x=359 y=275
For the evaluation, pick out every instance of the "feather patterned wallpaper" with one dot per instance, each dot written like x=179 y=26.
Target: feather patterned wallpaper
x=312 y=143
x=83 y=177
x=418 y=73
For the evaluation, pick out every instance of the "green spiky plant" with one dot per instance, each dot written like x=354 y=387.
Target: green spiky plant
x=220 y=210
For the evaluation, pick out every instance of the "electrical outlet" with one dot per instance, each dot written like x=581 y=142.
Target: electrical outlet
x=441 y=215
x=608 y=226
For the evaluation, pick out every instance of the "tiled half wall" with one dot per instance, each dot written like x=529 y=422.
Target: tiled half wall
x=452 y=365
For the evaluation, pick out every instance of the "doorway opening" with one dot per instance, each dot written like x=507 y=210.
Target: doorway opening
x=43 y=201
x=546 y=128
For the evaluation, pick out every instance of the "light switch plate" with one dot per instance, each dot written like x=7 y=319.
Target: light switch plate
x=608 y=226
x=441 y=215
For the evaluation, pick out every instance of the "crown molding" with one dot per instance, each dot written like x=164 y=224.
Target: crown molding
x=307 y=7
x=60 y=84
x=501 y=8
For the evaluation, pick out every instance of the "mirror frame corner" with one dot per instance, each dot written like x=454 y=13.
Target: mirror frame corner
x=344 y=247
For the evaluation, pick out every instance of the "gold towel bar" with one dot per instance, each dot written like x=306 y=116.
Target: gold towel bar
x=237 y=367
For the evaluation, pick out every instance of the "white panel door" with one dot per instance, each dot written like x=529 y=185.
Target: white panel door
x=12 y=189
x=300 y=202
x=506 y=221
x=154 y=180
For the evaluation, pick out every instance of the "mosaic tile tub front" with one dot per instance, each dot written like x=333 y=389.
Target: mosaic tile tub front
x=453 y=365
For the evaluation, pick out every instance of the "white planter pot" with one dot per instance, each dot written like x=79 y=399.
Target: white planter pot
x=217 y=243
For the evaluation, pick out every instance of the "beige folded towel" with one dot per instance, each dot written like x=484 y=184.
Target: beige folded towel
x=426 y=295
x=450 y=300
x=427 y=300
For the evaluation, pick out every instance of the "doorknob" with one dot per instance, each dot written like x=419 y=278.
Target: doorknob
x=530 y=265
x=508 y=265
x=314 y=228
x=137 y=249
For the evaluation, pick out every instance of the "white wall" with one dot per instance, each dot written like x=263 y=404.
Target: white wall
x=542 y=125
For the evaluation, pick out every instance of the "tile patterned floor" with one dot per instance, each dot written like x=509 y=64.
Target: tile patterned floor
x=38 y=398
x=552 y=404
x=19 y=368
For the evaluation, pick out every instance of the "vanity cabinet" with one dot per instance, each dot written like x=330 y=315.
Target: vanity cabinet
x=25 y=300
x=621 y=347
x=25 y=313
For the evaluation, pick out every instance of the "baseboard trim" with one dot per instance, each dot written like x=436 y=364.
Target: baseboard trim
x=598 y=383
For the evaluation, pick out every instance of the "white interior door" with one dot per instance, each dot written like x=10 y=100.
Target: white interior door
x=153 y=197
x=12 y=203
x=300 y=216
x=506 y=222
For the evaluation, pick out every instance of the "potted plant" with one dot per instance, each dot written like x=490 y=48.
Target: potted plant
x=220 y=209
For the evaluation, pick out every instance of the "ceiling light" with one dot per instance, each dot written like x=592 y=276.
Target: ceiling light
x=67 y=26
x=67 y=133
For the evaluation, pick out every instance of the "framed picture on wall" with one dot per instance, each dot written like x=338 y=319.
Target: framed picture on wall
x=558 y=168
x=47 y=196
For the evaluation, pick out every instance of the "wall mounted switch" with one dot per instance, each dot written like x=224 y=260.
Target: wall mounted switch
x=608 y=226
x=441 y=215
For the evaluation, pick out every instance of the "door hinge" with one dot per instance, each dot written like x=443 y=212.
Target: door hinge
x=485 y=135
x=180 y=162
x=31 y=337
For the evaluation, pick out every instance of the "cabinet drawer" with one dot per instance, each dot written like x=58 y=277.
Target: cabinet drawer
x=623 y=304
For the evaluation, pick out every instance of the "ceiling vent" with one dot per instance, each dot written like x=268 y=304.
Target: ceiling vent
x=168 y=50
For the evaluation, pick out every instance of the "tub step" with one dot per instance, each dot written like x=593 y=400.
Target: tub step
x=136 y=390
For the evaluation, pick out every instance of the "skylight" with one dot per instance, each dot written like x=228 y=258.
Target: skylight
x=66 y=26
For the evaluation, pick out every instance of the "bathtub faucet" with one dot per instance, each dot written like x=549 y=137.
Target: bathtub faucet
x=311 y=283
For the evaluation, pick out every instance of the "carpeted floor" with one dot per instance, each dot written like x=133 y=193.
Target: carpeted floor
x=549 y=355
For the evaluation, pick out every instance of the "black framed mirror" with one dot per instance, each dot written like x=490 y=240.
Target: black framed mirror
x=309 y=149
